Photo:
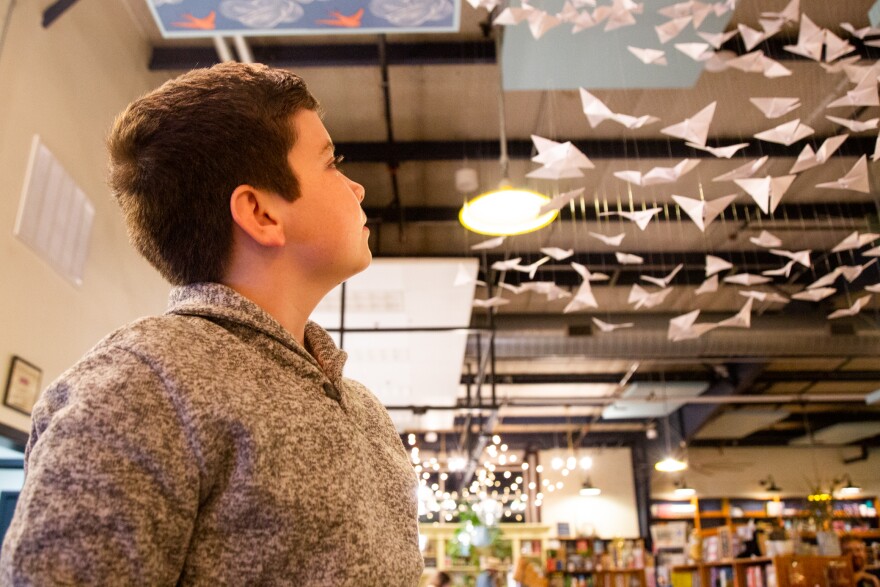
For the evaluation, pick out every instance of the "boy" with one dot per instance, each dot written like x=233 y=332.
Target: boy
x=219 y=444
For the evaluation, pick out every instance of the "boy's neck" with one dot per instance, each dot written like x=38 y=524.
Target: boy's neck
x=290 y=306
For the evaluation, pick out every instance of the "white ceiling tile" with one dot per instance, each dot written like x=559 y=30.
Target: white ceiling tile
x=841 y=433
x=740 y=423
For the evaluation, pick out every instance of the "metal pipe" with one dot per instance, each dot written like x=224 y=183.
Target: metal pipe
x=223 y=51
x=245 y=55
x=605 y=401
x=504 y=159
x=6 y=19
x=392 y=163
x=55 y=10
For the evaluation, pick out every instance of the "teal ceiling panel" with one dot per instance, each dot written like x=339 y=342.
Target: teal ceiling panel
x=596 y=59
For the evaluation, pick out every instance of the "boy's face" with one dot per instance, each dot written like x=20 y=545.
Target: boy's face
x=325 y=224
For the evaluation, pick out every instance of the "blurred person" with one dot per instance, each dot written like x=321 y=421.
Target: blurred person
x=440 y=579
x=855 y=548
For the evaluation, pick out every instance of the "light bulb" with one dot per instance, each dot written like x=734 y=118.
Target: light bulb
x=670 y=465
x=506 y=211
x=589 y=491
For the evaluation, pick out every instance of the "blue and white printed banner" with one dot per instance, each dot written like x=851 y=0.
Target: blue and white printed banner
x=209 y=18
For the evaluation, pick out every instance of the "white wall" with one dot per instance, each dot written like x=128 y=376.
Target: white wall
x=611 y=514
x=737 y=471
x=66 y=83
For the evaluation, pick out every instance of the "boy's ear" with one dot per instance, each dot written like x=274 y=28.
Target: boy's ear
x=255 y=212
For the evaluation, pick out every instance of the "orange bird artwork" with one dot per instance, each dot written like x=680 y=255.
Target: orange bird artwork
x=191 y=22
x=350 y=21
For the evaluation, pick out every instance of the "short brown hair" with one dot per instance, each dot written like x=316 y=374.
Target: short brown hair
x=178 y=153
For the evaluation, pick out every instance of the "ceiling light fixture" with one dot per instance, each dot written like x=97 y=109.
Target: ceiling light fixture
x=847 y=486
x=589 y=490
x=770 y=485
x=669 y=464
x=506 y=210
x=682 y=489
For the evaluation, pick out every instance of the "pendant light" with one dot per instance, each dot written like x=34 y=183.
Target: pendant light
x=769 y=484
x=507 y=210
x=589 y=490
x=848 y=488
x=682 y=489
x=669 y=464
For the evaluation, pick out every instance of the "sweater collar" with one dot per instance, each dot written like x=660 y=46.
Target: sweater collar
x=214 y=300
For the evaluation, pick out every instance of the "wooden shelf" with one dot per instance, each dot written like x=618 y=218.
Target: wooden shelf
x=595 y=572
x=620 y=571
x=731 y=511
x=811 y=566
x=873 y=533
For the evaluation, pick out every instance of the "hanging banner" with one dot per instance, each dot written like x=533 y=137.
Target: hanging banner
x=209 y=18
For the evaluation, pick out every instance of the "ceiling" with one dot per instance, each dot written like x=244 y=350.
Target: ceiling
x=547 y=374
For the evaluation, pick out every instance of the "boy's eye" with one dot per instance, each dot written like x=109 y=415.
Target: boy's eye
x=337 y=160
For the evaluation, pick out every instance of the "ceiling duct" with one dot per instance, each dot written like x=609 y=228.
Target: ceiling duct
x=647 y=344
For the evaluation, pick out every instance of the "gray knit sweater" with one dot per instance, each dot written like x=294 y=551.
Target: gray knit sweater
x=208 y=447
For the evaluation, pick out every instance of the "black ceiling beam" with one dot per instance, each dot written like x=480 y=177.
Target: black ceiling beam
x=772 y=436
x=55 y=10
x=736 y=213
x=673 y=376
x=665 y=148
x=297 y=56
x=581 y=378
x=693 y=273
x=774 y=47
x=470 y=52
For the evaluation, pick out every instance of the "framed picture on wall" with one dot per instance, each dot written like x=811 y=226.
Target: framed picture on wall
x=22 y=386
x=563 y=529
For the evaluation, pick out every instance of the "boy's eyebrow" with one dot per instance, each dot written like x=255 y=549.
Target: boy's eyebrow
x=329 y=147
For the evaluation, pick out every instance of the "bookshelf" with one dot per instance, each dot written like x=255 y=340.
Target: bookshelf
x=596 y=562
x=780 y=571
x=717 y=521
x=525 y=540
x=857 y=515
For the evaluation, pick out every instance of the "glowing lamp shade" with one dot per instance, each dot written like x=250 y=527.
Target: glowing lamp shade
x=589 y=490
x=670 y=465
x=847 y=487
x=684 y=491
x=506 y=211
